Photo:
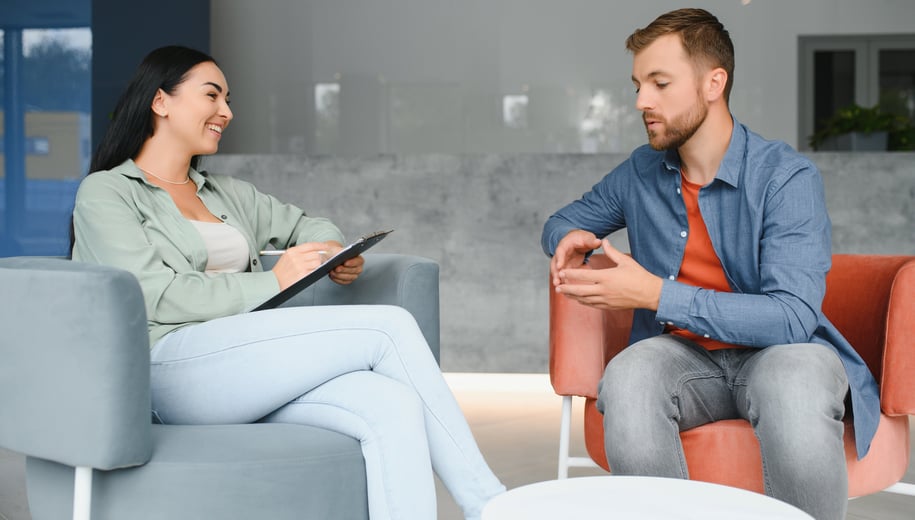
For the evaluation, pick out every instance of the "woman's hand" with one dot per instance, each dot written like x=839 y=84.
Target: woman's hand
x=348 y=271
x=302 y=259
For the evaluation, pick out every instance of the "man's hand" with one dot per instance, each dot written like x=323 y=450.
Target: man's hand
x=624 y=285
x=571 y=251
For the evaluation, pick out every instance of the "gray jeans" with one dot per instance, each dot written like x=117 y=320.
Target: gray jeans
x=792 y=395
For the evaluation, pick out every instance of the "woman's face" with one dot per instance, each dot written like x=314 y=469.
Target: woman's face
x=197 y=112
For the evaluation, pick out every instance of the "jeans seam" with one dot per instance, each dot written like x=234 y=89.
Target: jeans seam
x=262 y=340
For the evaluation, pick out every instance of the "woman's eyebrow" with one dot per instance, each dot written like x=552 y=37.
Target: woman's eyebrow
x=214 y=85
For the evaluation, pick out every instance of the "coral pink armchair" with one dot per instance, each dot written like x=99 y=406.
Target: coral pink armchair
x=870 y=299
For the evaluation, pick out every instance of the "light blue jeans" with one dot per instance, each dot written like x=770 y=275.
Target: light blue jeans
x=792 y=395
x=365 y=371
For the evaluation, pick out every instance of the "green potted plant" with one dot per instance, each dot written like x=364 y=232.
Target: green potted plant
x=857 y=128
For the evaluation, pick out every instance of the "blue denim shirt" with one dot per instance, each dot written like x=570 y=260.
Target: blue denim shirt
x=766 y=215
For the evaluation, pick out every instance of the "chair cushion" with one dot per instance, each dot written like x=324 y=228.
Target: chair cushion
x=727 y=452
x=275 y=471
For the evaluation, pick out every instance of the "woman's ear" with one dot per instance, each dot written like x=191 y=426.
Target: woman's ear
x=160 y=104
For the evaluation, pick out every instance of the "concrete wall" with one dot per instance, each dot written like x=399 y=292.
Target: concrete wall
x=480 y=217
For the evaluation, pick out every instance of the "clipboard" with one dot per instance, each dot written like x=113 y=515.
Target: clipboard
x=351 y=251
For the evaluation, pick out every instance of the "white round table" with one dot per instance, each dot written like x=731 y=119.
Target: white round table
x=644 y=498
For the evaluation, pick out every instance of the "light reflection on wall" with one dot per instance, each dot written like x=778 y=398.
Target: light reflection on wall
x=443 y=117
x=595 y=126
x=327 y=111
x=514 y=110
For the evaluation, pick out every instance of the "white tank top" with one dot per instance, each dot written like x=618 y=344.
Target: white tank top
x=227 y=249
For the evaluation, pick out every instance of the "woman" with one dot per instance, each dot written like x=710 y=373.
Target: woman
x=192 y=240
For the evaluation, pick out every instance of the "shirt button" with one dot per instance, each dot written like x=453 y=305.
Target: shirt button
x=254 y=261
x=224 y=217
x=705 y=335
x=683 y=234
x=678 y=191
x=670 y=323
x=671 y=277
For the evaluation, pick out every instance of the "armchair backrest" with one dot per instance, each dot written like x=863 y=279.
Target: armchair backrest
x=74 y=363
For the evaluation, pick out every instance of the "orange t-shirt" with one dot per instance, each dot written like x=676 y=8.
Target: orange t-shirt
x=700 y=267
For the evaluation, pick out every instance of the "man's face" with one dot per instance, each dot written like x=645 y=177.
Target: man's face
x=668 y=93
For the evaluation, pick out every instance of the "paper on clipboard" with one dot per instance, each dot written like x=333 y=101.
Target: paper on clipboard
x=351 y=251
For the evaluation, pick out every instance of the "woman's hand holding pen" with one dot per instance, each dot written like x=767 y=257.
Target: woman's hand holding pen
x=298 y=261
x=302 y=259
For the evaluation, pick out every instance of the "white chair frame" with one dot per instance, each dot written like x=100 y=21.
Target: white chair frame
x=82 y=493
x=565 y=427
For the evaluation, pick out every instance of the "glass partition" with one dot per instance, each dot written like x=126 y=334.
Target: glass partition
x=46 y=141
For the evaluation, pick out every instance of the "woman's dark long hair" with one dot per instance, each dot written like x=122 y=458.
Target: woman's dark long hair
x=132 y=120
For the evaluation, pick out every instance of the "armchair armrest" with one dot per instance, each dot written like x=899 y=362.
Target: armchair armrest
x=74 y=380
x=407 y=281
x=583 y=340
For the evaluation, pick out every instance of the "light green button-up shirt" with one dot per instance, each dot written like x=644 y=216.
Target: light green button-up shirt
x=122 y=220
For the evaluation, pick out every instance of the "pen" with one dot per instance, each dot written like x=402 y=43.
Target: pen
x=278 y=252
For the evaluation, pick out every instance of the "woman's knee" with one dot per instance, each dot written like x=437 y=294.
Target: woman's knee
x=368 y=398
x=383 y=400
x=387 y=317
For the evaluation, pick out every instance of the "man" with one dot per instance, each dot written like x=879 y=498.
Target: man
x=730 y=245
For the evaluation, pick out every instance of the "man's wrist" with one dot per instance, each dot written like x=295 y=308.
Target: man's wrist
x=654 y=294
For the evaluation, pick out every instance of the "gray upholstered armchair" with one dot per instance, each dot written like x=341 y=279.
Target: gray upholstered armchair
x=74 y=398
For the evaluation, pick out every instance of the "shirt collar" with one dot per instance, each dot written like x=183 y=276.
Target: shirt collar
x=733 y=161
x=729 y=170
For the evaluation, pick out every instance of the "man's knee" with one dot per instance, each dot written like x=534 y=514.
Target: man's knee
x=634 y=375
x=799 y=379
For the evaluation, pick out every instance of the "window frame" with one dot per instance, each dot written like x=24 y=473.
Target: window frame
x=867 y=75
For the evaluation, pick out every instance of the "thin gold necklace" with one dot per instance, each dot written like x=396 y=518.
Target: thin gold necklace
x=185 y=181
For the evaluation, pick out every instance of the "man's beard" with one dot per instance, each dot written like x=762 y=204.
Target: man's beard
x=678 y=131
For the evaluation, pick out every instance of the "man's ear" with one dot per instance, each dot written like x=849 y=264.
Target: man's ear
x=716 y=81
x=160 y=104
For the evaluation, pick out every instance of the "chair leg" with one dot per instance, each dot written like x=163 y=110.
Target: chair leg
x=82 y=493
x=565 y=426
x=902 y=488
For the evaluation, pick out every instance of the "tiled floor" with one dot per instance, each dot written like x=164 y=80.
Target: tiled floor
x=515 y=419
